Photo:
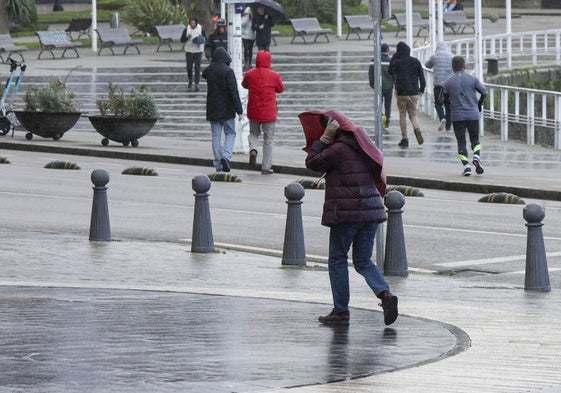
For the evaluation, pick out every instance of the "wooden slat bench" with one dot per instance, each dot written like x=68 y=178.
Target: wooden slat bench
x=56 y=39
x=305 y=26
x=418 y=21
x=79 y=25
x=359 y=23
x=116 y=37
x=167 y=34
x=7 y=46
x=457 y=21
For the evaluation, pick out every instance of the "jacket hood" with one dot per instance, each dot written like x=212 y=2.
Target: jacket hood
x=442 y=47
x=403 y=50
x=264 y=59
x=221 y=56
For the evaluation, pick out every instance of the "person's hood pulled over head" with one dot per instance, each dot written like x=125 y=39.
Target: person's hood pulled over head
x=221 y=56
x=264 y=59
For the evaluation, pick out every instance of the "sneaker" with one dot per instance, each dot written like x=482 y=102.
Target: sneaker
x=442 y=124
x=477 y=163
x=419 y=136
x=268 y=171
x=225 y=165
x=253 y=158
x=335 y=318
x=197 y=88
x=384 y=122
x=404 y=143
x=389 y=305
x=467 y=171
x=387 y=126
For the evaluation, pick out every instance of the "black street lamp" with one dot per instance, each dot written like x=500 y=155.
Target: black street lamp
x=58 y=6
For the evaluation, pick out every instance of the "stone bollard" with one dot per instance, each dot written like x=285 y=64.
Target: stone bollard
x=202 y=240
x=537 y=275
x=395 y=261
x=100 y=229
x=294 y=251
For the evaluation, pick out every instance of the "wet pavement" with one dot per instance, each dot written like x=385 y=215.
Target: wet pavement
x=150 y=316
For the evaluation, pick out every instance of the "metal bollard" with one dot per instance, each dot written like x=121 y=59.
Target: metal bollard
x=100 y=229
x=202 y=240
x=294 y=250
x=537 y=275
x=395 y=261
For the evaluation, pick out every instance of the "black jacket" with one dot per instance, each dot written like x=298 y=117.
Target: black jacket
x=262 y=36
x=407 y=72
x=222 y=99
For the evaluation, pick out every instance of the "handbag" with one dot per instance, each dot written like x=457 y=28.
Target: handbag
x=199 y=40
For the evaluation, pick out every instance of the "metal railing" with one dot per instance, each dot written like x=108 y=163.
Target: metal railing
x=535 y=109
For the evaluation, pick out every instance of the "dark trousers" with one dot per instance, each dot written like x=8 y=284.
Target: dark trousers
x=387 y=102
x=247 y=51
x=460 y=128
x=443 y=110
x=193 y=59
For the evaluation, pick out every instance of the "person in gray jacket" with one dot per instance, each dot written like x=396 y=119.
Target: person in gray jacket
x=441 y=64
x=461 y=90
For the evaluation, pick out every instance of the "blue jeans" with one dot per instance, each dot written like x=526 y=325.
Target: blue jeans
x=361 y=237
x=229 y=127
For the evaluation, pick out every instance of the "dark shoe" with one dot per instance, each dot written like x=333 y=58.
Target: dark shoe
x=253 y=158
x=467 y=171
x=190 y=86
x=197 y=88
x=225 y=165
x=335 y=318
x=477 y=163
x=404 y=143
x=389 y=304
x=419 y=136
x=267 y=171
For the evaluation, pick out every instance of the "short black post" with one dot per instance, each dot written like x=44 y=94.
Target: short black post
x=294 y=250
x=202 y=240
x=100 y=228
x=537 y=275
x=395 y=261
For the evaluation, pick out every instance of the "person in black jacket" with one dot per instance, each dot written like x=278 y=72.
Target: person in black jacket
x=262 y=23
x=218 y=38
x=222 y=104
x=409 y=80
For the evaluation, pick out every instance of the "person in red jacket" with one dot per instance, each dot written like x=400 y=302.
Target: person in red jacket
x=263 y=85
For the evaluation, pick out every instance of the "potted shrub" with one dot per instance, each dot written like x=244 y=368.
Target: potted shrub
x=49 y=110
x=125 y=118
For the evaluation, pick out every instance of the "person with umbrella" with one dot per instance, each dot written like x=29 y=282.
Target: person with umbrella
x=262 y=24
x=354 y=186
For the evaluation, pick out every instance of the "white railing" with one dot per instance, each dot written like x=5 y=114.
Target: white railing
x=510 y=104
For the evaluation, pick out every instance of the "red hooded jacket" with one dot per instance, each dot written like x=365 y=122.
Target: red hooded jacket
x=263 y=85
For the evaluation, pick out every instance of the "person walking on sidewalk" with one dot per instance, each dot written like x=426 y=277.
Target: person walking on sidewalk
x=263 y=85
x=409 y=79
x=353 y=208
x=248 y=38
x=193 y=52
x=387 y=84
x=461 y=90
x=222 y=104
x=262 y=24
x=441 y=64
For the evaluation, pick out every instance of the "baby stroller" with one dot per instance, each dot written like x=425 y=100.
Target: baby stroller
x=7 y=116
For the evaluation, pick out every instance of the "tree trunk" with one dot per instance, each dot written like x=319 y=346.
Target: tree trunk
x=4 y=20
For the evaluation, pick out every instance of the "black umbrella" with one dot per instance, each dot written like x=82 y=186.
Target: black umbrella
x=273 y=5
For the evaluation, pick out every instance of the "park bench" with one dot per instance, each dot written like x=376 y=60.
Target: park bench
x=305 y=26
x=79 y=25
x=56 y=39
x=116 y=37
x=457 y=21
x=275 y=34
x=359 y=23
x=7 y=46
x=167 y=34
x=418 y=21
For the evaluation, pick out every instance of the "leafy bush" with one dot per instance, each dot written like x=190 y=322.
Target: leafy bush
x=138 y=104
x=50 y=98
x=324 y=10
x=145 y=14
x=111 y=5
x=22 y=11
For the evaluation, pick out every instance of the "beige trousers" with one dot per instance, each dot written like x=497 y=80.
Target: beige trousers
x=407 y=105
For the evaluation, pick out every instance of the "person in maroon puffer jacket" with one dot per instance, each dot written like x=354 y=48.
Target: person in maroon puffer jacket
x=263 y=85
x=353 y=208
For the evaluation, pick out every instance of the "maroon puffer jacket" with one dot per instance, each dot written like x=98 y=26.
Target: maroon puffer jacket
x=351 y=195
x=263 y=85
